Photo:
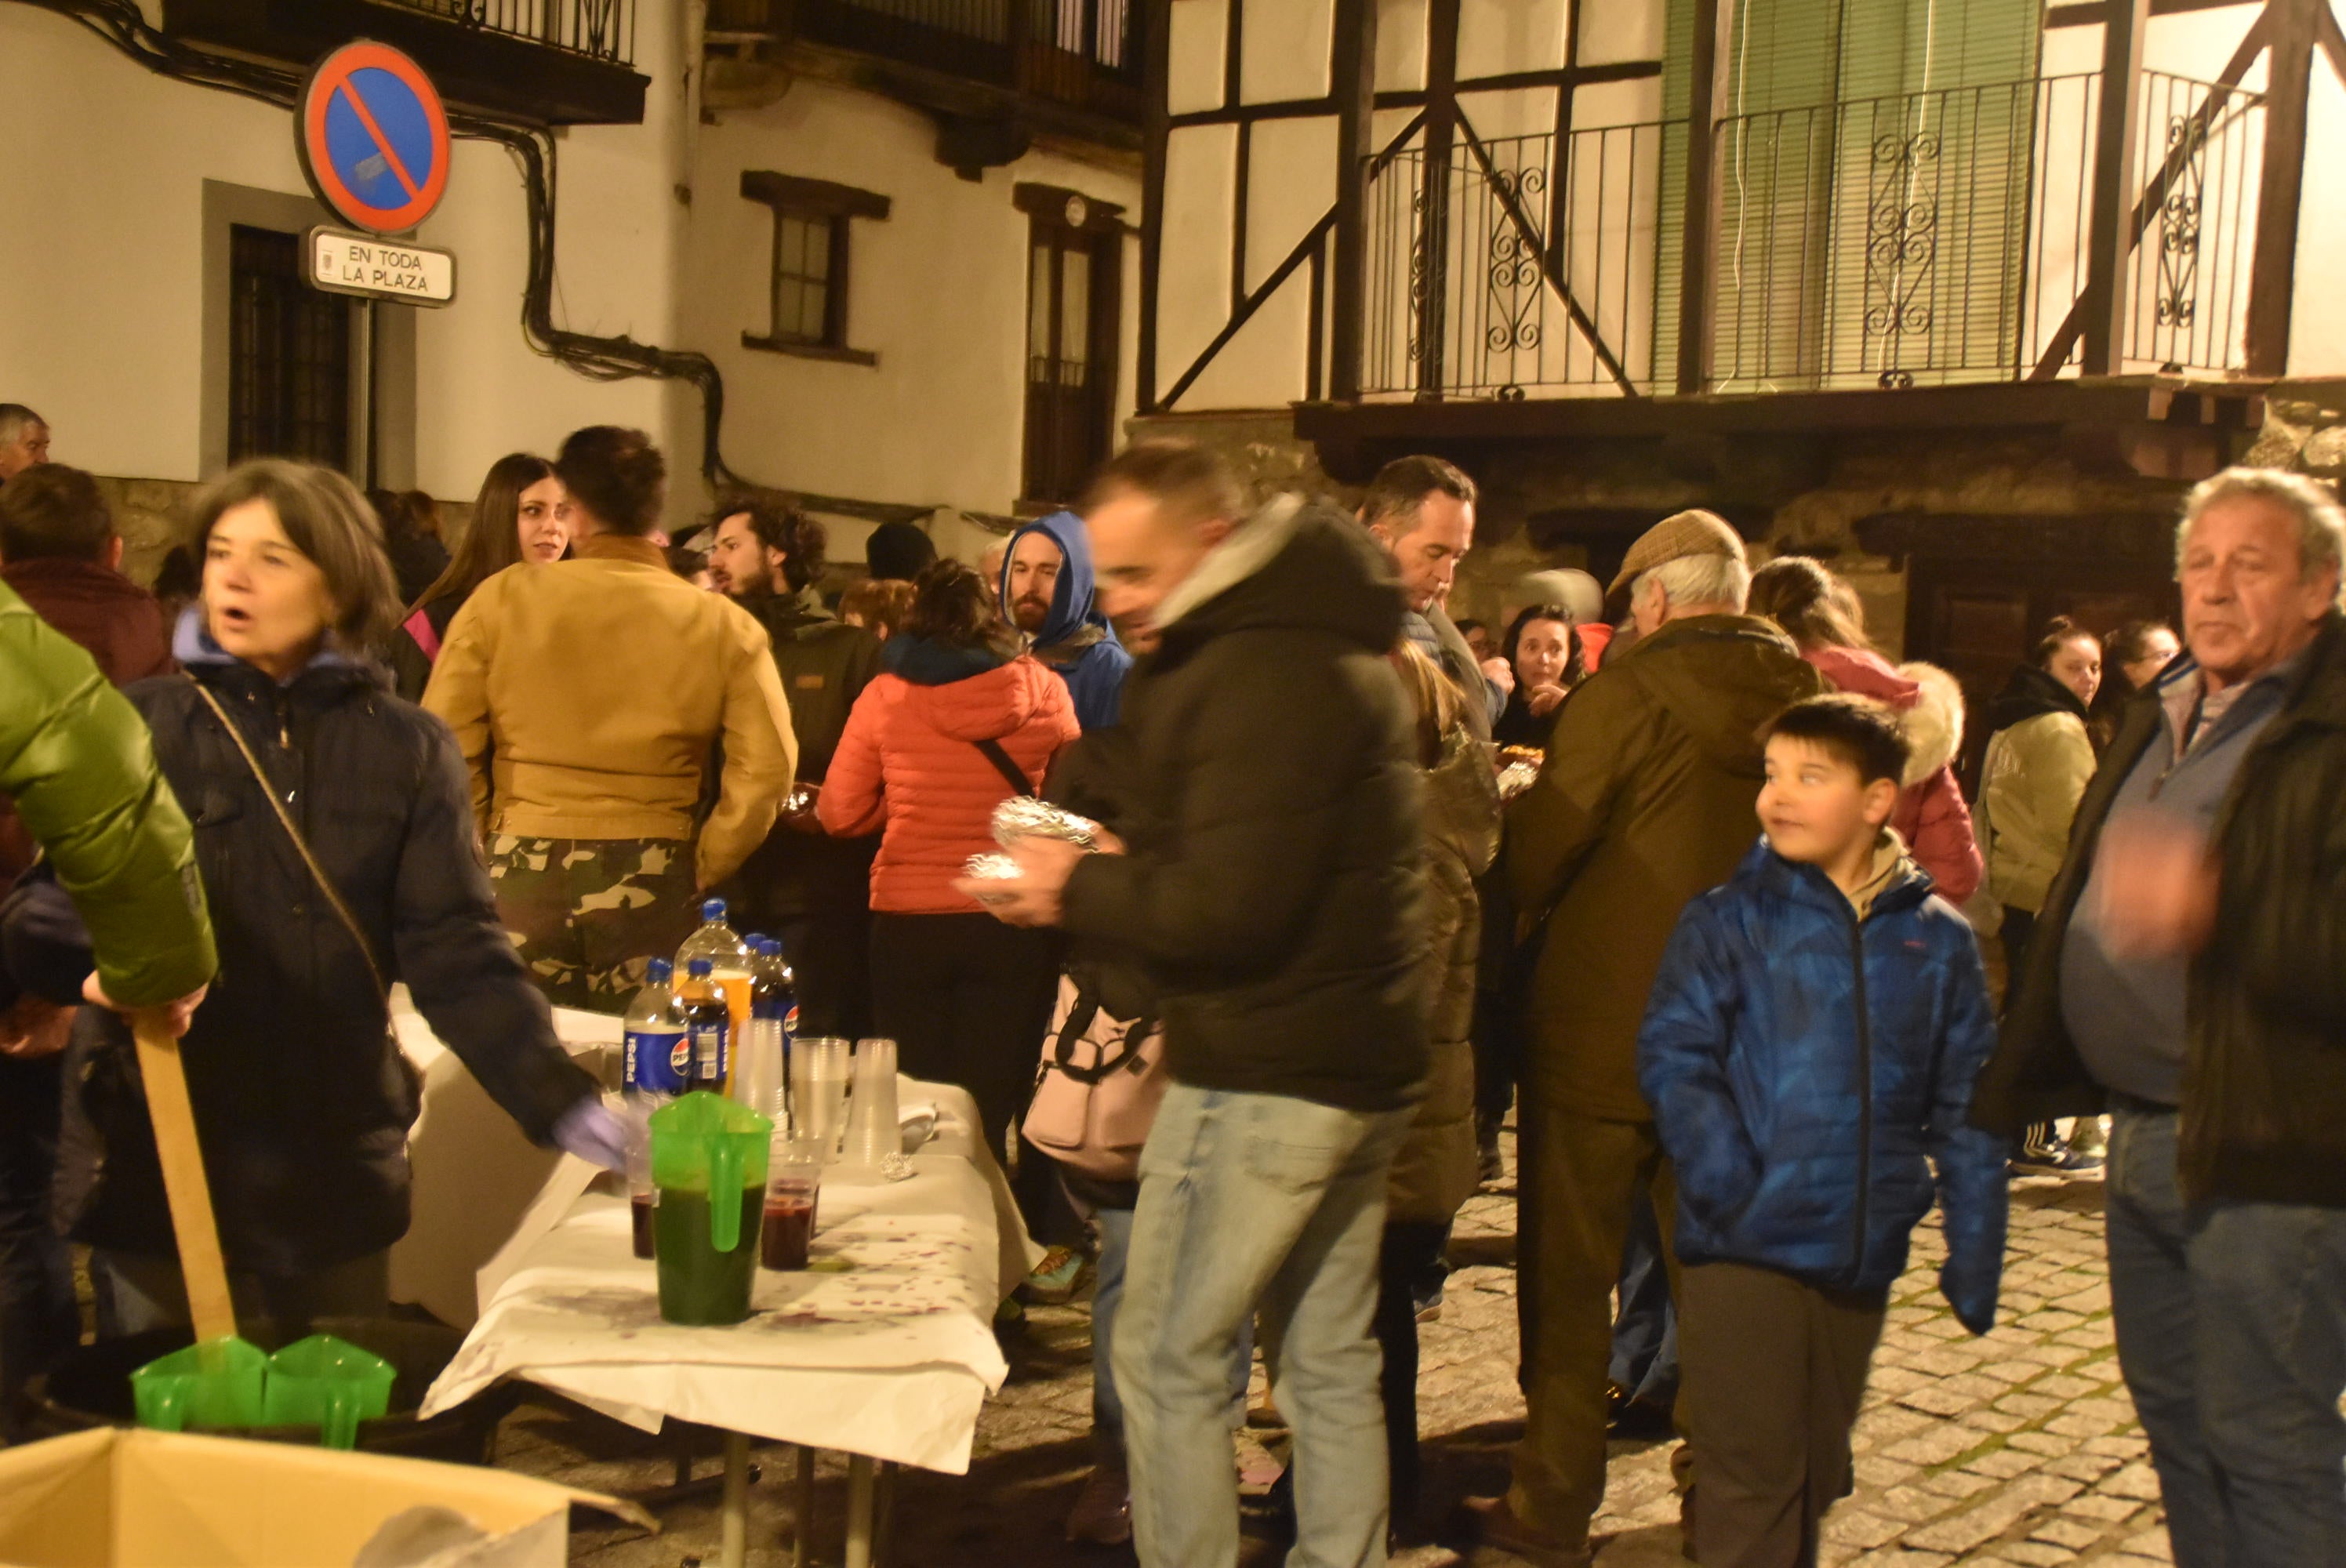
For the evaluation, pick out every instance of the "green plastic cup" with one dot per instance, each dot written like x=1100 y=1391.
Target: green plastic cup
x=216 y=1383
x=330 y=1384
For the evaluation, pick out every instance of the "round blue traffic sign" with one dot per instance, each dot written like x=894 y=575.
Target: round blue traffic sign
x=373 y=137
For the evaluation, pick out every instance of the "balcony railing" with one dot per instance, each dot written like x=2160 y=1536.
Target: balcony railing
x=1913 y=239
x=1078 y=53
x=1944 y=236
x=597 y=29
x=1544 y=272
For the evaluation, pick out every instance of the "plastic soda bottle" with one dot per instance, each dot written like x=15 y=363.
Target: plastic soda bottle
x=708 y=1025
x=657 y=1066
x=728 y=960
x=658 y=1061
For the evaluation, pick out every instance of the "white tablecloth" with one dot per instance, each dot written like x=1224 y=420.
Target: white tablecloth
x=474 y=1174
x=889 y=1357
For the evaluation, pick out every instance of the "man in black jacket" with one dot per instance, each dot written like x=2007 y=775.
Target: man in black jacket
x=810 y=890
x=2189 y=968
x=1268 y=884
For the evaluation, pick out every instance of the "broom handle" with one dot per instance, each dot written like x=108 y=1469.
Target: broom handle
x=210 y=1307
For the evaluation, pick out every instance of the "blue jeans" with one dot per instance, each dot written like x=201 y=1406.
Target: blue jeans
x=2231 y=1331
x=1107 y=1294
x=1256 y=1205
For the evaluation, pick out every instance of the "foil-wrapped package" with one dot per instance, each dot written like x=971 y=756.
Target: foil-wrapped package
x=990 y=868
x=1516 y=778
x=1024 y=817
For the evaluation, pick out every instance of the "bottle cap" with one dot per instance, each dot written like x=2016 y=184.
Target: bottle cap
x=755 y=942
x=659 y=972
x=698 y=968
x=713 y=909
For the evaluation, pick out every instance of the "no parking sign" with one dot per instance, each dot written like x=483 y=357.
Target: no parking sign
x=373 y=137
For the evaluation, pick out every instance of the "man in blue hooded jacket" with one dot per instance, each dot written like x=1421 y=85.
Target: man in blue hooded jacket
x=1047 y=593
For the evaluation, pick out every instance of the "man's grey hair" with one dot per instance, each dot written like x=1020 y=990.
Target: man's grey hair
x=1699 y=580
x=2321 y=521
x=14 y=420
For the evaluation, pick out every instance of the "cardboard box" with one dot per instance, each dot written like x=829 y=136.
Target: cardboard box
x=124 y=1498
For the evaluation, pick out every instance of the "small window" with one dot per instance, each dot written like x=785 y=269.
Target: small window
x=807 y=313
x=289 y=369
x=802 y=292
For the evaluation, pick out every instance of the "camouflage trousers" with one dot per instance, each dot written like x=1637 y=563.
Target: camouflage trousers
x=588 y=914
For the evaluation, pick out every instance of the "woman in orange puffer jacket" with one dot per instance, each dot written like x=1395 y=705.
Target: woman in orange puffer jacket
x=928 y=753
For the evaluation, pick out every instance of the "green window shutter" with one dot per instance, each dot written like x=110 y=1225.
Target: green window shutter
x=1874 y=169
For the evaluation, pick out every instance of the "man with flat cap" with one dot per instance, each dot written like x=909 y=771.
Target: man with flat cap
x=1646 y=799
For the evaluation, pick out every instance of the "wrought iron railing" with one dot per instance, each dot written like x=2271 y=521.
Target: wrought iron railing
x=1910 y=239
x=1502 y=269
x=599 y=29
x=1077 y=52
x=2201 y=156
x=1944 y=236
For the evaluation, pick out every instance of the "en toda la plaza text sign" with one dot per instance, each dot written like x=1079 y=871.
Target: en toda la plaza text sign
x=377 y=269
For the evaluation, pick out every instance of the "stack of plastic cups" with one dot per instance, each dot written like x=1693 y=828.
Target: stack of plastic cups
x=819 y=1070
x=758 y=1070
x=871 y=1130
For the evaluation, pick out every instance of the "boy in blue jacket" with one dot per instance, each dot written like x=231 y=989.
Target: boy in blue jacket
x=1809 y=1052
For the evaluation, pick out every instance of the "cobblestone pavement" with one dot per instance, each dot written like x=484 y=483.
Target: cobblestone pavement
x=2020 y=1449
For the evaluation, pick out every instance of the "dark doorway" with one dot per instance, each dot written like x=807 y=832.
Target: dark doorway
x=1073 y=309
x=1979 y=619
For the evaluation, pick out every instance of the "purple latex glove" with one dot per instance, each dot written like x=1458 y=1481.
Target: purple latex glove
x=594 y=1133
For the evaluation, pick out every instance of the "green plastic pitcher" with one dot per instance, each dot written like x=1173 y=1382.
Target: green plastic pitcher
x=330 y=1384
x=709 y=1162
x=216 y=1383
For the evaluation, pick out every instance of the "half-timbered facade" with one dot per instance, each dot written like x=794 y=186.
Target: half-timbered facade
x=1959 y=292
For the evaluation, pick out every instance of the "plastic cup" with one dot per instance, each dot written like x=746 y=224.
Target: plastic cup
x=871 y=1131
x=330 y=1384
x=818 y=1077
x=793 y=1191
x=216 y=1383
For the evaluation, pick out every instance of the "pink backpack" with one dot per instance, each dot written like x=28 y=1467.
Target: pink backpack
x=1097 y=1092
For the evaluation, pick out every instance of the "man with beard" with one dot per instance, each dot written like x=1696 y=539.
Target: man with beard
x=810 y=890
x=1046 y=589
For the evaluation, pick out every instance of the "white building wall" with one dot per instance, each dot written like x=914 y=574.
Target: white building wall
x=102 y=247
x=937 y=291
x=104 y=277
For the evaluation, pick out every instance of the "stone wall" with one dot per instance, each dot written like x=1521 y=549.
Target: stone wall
x=1796 y=495
x=150 y=514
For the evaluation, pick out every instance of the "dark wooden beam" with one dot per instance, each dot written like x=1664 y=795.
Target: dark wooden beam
x=1156 y=19
x=1414 y=99
x=1698 y=217
x=2109 y=239
x=1559 y=172
x=1353 y=76
x=1434 y=193
x=2131 y=400
x=2064 y=341
x=2294 y=25
x=2094 y=13
x=2333 y=43
x=1243 y=168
